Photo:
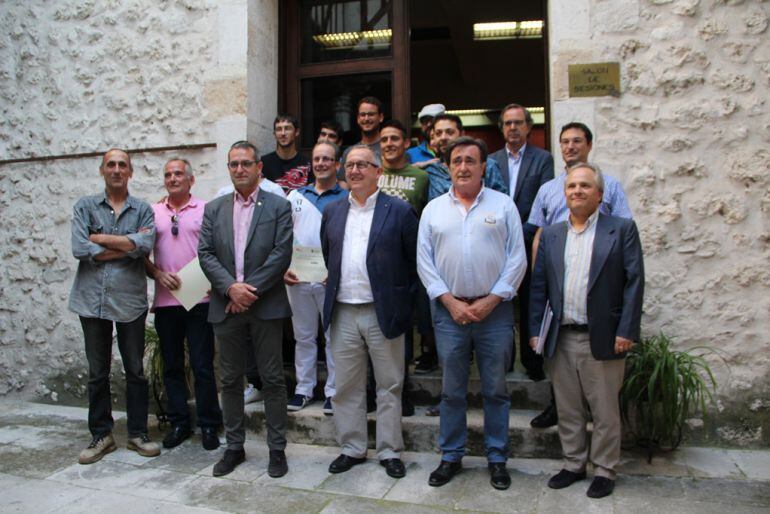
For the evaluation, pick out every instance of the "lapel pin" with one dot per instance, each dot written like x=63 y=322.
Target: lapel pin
x=259 y=204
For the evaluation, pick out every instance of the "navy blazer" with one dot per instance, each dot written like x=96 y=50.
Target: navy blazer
x=615 y=285
x=535 y=170
x=390 y=260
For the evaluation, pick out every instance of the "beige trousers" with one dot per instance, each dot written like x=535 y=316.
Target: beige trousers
x=355 y=333
x=580 y=382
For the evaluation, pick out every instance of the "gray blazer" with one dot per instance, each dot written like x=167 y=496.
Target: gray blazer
x=267 y=256
x=615 y=285
x=536 y=169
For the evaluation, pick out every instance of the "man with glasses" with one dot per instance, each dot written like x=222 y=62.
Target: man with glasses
x=306 y=298
x=550 y=207
x=369 y=116
x=471 y=259
x=368 y=243
x=244 y=250
x=178 y=221
x=525 y=168
x=286 y=166
x=112 y=232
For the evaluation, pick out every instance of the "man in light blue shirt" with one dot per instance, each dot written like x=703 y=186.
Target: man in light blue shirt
x=471 y=259
x=550 y=207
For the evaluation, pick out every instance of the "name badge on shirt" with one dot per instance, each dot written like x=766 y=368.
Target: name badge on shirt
x=490 y=218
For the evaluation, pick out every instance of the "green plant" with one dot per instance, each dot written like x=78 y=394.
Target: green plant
x=154 y=372
x=662 y=388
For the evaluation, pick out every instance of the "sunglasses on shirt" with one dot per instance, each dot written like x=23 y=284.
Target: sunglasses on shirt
x=175 y=225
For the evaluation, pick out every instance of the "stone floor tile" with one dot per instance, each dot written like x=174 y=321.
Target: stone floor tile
x=521 y=497
x=25 y=462
x=730 y=493
x=109 y=502
x=31 y=495
x=117 y=476
x=188 y=457
x=235 y=496
x=663 y=464
x=572 y=499
x=676 y=506
x=308 y=467
x=546 y=467
x=753 y=464
x=350 y=505
x=709 y=462
x=414 y=487
x=639 y=487
x=126 y=456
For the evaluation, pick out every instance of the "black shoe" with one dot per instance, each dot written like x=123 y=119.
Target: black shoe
x=407 y=407
x=426 y=363
x=344 y=463
x=444 y=473
x=548 y=418
x=229 y=462
x=209 y=438
x=536 y=375
x=277 y=467
x=177 y=436
x=498 y=475
x=600 y=487
x=394 y=467
x=565 y=478
x=433 y=410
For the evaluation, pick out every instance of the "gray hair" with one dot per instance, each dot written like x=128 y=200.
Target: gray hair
x=188 y=171
x=593 y=167
x=360 y=146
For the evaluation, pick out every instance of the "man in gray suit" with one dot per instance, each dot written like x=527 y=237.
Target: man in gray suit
x=590 y=271
x=245 y=249
x=524 y=168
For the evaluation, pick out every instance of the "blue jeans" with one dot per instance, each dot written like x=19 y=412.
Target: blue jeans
x=174 y=325
x=492 y=341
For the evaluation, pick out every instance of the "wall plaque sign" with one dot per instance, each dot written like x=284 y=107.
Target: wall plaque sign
x=594 y=79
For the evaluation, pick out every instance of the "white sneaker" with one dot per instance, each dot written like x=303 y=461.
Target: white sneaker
x=251 y=394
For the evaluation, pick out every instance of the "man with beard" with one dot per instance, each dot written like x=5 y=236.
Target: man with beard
x=369 y=117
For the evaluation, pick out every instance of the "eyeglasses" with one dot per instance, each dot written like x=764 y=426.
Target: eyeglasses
x=360 y=165
x=233 y=165
x=175 y=225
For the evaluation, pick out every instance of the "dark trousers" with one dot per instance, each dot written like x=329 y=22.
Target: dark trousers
x=98 y=339
x=234 y=335
x=173 y=325
x=531 y=361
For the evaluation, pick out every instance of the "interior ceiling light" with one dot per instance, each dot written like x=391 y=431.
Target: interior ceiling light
x=508 y=30
x=470 y=112
x=346 y=40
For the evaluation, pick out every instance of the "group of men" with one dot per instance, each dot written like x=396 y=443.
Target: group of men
x=442 y=232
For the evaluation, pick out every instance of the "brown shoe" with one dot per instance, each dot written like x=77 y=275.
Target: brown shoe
x=143 y=446
x=99 y=447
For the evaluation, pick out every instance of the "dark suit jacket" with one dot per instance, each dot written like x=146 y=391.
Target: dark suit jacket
x=536 y=169
x=615 y=285
x=390 y=260
x=267 y=256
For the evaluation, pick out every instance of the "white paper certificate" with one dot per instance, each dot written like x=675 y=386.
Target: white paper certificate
x=308 y=264
x=194 y=286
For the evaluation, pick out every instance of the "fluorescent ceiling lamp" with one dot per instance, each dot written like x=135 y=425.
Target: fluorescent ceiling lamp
x=464 y=112
x=347 y=40
x=508 y=30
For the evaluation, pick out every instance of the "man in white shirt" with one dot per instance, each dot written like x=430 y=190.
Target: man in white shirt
x=368 y=242
x=471 y=259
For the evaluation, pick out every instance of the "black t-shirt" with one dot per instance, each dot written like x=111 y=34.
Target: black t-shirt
x=289 y=174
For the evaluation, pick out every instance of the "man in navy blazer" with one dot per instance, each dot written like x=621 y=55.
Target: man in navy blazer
x=589 y=271
x=524 y=168
x=369 y=244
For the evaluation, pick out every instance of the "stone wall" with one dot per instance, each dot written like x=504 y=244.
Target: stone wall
x=688 y=137
x=81 y=76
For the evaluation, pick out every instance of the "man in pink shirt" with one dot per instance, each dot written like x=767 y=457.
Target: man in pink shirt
x=178 y=220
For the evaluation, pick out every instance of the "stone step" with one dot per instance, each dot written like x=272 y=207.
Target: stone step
x=310 y=426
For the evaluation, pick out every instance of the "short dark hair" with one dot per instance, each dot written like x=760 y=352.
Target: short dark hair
x=466 y=141
x=579 y=126
x=330 y=145
x=116 y=149
x=371 y=100
x=332 y=125
x=286 y=117
x=246 y=146
x=527 y=114
x=396 y=125
x=451 y=117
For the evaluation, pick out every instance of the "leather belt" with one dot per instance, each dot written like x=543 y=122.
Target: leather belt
x=468 y=300
x=575 y=327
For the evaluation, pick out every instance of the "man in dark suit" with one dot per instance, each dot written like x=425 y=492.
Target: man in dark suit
x=524 y=169
x=369 y=244
x=244 y=249
x=590 y=271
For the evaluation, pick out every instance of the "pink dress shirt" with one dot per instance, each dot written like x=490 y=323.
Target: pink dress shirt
x=243 y=211
x=172 y=253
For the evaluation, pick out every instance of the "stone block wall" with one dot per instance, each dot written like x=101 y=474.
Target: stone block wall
x=688 y=137
x=80 y=76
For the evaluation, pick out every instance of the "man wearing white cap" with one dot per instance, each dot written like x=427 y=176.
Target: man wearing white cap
x=421 y=153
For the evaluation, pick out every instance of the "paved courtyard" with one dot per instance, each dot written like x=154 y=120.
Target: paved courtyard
x=39 y=445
